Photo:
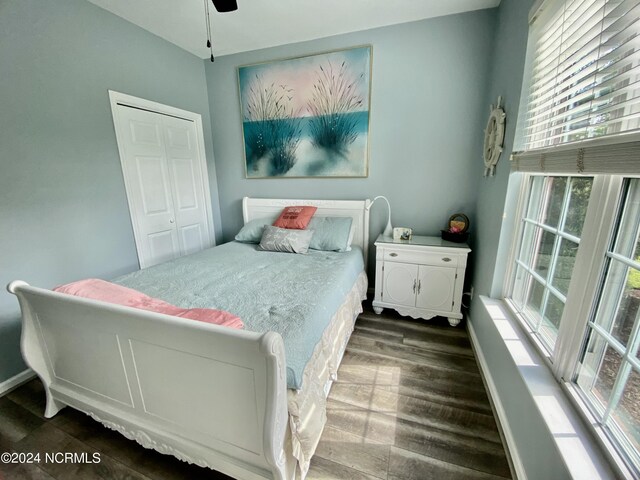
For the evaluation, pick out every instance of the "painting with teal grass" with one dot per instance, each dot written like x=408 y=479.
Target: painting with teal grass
x=307 y=116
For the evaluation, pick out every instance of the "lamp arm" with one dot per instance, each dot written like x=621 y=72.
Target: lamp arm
x=388 y=231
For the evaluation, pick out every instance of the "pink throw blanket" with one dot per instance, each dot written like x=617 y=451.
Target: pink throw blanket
x=110 y=292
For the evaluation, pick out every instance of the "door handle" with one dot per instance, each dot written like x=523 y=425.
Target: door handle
x=446 y=259
x=419 y=286
x=393 y=254
x=414 y=285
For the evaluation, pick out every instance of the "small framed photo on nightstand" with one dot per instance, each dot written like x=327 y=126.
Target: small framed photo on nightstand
x=402 y=233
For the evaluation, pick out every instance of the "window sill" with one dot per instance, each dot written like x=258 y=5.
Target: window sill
x=542 y=351
x=572 y=392
x=572 y=438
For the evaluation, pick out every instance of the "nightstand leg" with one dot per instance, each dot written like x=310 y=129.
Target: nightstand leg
x=453 y=321
x=378 y=310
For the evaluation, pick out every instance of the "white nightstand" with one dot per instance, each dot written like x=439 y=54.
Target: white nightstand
x=422 y=277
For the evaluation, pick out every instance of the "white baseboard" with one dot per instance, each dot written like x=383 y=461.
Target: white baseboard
x=16 y=381
x=514 y=457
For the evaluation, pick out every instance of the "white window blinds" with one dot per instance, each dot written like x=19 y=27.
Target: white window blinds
x=582 y=79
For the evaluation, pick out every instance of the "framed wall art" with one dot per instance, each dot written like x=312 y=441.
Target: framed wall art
x=307 y=116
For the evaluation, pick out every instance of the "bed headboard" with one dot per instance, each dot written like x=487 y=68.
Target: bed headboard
x=253 y=208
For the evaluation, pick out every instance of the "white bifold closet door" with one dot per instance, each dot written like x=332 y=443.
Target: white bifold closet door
x=165 y=180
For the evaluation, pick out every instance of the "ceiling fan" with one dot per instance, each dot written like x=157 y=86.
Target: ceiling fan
x=221 y=6
x=224 y=6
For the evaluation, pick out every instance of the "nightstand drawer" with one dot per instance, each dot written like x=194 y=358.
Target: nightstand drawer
x=422 y=258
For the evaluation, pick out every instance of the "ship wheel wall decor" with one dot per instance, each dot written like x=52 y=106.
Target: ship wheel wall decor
x=493 y=138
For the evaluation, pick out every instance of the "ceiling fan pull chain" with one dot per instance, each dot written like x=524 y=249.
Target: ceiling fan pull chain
x=220 y=6
x=208 y=24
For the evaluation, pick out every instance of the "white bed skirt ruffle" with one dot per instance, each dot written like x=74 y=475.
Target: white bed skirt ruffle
x=307 y=406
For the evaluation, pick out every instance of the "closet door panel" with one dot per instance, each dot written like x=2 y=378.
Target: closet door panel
x=165 y=172
x=149 y=186
x=163 y=246
x=186 y=184
x=153 y=185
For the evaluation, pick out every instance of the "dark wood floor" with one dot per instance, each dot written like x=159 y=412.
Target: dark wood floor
x=409 y=403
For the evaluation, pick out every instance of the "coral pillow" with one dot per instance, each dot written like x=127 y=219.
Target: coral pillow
x=295 y=217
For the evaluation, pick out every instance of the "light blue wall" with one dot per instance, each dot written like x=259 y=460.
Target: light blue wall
x=508 y=59
x=63 y=208
x=535 y=443
x=428 y=111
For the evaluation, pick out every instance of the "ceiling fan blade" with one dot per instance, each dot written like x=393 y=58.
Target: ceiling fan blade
x=223 y=6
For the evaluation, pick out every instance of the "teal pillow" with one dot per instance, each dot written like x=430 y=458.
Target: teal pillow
x=330 y=233
x=253 y=230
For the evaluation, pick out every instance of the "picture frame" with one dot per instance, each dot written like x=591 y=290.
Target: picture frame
x=458 y=223
x=307 y=116
x=457 y=228
x=402 y=234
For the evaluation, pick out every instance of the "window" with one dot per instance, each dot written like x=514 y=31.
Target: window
x=575 y=285
x=574 y=273
x=552 y=226
x=609 y=368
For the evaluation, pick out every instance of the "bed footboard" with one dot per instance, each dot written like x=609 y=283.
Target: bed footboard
x=208 y=395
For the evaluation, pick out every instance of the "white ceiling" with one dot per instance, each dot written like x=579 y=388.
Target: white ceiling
x=267 y=23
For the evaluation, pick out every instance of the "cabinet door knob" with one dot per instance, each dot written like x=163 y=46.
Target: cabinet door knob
x=393 y=254
x=171 y=221
x=446 y=259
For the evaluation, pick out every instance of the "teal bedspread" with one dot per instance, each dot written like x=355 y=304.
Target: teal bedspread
x=294 y=295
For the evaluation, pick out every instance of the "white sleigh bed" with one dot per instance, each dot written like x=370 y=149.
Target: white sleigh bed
x=209 y=395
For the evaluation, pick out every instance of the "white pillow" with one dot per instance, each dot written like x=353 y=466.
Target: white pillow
x=288 y=240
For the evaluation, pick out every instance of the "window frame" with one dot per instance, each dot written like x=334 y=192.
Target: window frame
x=605 y=194
x=594 y=330
x=599 y=229
x=515 y=262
